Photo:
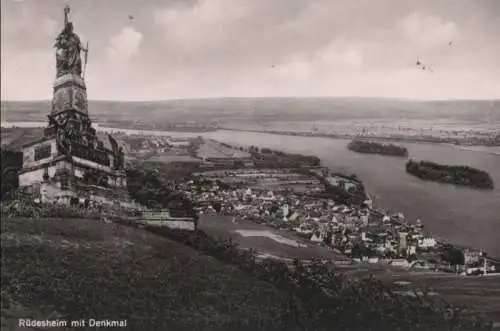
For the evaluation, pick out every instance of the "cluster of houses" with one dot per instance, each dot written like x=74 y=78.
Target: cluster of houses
x=359 y=232
x=283 y=199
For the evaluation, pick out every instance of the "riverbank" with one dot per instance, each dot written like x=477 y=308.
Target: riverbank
x=466 y=143
x=445 y=210
x=405 y=139
x=318 y=213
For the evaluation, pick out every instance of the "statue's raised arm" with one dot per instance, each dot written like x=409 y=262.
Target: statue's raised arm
x=68 y=49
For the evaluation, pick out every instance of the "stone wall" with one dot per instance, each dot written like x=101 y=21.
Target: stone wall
x=29 y=153
x=52 y=192
x=36 y=176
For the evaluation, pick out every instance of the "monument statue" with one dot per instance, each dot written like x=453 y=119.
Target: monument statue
x=79 y=155
x=68 y=49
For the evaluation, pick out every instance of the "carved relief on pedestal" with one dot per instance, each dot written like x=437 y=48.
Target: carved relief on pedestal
x=70 y=97
x=28 y=156
x=79 y=100
x=61 y=100
x=69 y=79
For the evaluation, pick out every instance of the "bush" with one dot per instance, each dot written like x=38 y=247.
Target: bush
x=27 y=208
x=11 y=163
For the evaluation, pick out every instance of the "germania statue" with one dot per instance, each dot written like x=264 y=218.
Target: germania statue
x=68 y=49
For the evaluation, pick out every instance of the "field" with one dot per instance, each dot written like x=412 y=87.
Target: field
x=222 y=226
x=166 y=158
x=212 y=149
x=480 y=293
x=81 y=269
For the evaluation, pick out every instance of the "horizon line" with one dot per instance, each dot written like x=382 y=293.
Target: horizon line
x=272 y=97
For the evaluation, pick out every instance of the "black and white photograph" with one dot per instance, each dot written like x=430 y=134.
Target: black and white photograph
x=250 y=165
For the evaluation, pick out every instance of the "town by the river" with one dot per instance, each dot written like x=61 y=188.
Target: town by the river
x=459 y=215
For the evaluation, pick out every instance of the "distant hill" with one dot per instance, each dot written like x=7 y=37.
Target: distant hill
x=268 y=109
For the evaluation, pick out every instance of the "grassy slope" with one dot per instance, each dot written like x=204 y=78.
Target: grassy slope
x=82 y=269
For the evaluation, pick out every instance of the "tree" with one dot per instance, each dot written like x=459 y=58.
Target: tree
x=239 y=164
x=11 y=163
x=412 y=258
x=328 y=238
x=358 y=251
x=217 y=206
x=273 y=208
x=453 y=256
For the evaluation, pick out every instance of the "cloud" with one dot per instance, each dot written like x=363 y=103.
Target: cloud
x=124 y=45
x=324 y=63
x=339 y=55
x=206 y=24
x=428 y=30
x=23 y=25
x=261 y=48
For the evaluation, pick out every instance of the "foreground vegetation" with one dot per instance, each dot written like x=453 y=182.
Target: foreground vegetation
x=332 y=300
x=459 y=175
x=11 y=163
x=376 y=148
x=78 y=268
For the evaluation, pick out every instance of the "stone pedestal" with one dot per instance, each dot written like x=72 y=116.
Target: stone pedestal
x=70 y=161
x=70 y=92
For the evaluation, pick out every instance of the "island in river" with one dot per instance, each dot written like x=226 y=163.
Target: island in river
x=459 y=175
x=376 y=148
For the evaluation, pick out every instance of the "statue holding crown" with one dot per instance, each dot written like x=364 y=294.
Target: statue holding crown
x=68 y=50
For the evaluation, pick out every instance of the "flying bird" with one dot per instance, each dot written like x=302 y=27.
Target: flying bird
x=130 y=17
x=422 y=66
x=450 y=43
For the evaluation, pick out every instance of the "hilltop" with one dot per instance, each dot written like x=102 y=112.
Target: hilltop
x=276 y=109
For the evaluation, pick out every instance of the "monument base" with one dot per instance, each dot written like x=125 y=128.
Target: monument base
x=54 y=177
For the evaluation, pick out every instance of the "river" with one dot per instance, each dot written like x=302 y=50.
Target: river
x=461 y=215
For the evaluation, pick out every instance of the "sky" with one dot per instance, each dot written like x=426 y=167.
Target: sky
x=165 y=49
